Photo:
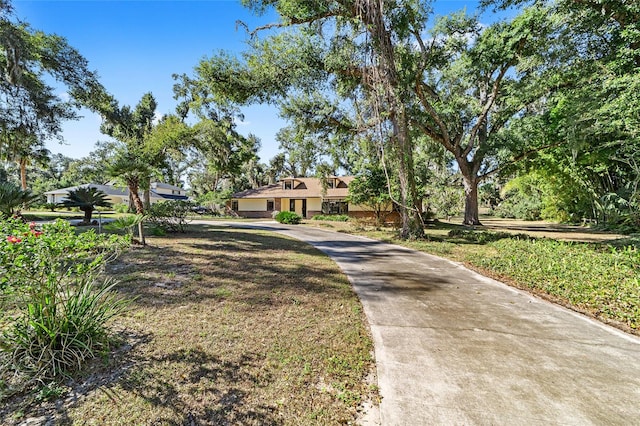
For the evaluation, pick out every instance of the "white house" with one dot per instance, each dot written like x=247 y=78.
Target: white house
x=116 y=195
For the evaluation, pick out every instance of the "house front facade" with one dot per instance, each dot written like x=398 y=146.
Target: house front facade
x=307 y=197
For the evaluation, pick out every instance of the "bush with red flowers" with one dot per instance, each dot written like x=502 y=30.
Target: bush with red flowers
x=53 y=304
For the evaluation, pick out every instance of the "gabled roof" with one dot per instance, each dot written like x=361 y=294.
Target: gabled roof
x=301 y=188
x=107 y=189
x=116 y=191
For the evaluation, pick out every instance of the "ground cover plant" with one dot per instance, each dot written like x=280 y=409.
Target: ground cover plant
x=600 y=279
x=54 y=306
x=228 y=326
x=331 y=217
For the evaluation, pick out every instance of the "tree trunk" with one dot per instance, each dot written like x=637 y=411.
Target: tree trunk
x=88 y=211
x=137 y=202
x=23 y=173
x=471 y=216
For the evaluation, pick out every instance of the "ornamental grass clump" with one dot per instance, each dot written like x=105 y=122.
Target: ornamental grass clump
x=54 y=307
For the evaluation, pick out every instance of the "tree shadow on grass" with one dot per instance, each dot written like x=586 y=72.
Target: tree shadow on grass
x=211 y=265
x=210 y=391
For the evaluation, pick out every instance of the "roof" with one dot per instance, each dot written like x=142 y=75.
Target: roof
x=107 y=189
x=115 y=191
x=302 y=188
x=169 y=196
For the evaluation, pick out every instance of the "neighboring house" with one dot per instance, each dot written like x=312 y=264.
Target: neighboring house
x=305 y=196
x=117 y=195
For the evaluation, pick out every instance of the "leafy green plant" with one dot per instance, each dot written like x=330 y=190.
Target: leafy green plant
x=12 y=198
x=121 y=208
x=290 y=218
x=62 y=325
x=53 y=307
x=126 y=223
x=50 y=206
x=86 y=199
x=170 y=216
x=332 y=217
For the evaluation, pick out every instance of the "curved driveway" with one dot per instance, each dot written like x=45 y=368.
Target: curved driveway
x=455 y=348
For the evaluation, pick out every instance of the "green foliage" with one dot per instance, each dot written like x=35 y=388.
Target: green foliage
x=290 y=218
x=170 y=216
x=371 y=189
x=216 y=201
x=61 y=327
x=127 y=223
x=332 y=217
x=13 y=198
x=86 y=199
x=602 y=281
x=483 y=237
x=121 y=208
x=54 y=306
x=50 y=206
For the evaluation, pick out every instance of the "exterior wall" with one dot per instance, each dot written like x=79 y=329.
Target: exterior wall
x=361 y=208
x=313 y=205
x=169 y=191
x=252 y=205
x=284 y=204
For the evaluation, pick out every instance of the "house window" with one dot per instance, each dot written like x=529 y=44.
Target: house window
x=234 y=205
x=335 y=207
x=330 y=183
x=269 y=205
x=287 y=184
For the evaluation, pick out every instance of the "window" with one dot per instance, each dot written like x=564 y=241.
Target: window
x=269 y=205
x=234 y=205
x=330 y=183
x=286 y=184
x=335 y=207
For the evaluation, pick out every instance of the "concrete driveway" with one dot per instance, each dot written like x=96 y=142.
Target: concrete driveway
x=455 y=348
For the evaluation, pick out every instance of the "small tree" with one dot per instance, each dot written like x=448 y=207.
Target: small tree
x=87 y=199
x=12 y=197
x=370 y=189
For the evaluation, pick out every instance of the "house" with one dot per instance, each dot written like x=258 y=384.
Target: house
x=305 y=196
x=117 y=195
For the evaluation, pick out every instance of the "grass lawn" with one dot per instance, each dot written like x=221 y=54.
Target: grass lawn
x=228 y=327
x=600 y=278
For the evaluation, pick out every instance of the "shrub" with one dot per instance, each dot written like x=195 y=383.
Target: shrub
x=170 y=216
x=121 y=208
x=52 y=311
x=290 y=218
x=126 y=223
x=332 y=217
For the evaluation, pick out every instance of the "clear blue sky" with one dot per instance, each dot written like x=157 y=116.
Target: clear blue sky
x=135 y=46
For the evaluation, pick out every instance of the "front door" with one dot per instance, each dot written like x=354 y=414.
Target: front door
x=299 y=207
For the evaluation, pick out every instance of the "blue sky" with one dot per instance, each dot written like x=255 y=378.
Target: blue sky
x=135 y=46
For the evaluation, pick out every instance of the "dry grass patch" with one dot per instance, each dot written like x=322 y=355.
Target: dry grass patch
x=230 y=327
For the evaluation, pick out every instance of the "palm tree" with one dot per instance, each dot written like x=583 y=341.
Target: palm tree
x=130 y=168
x=11 y=197
x=87 y=199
